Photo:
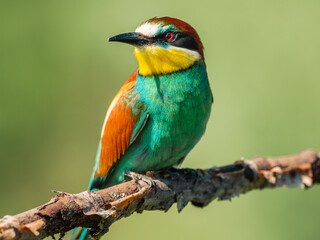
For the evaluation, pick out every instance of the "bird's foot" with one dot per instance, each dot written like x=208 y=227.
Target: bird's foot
x=145 y=178
x=125 y=201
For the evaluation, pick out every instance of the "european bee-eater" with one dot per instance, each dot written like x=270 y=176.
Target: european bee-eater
x=161 y=111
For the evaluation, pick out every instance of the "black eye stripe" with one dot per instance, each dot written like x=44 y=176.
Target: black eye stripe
x=180 y=40
x=186 y=42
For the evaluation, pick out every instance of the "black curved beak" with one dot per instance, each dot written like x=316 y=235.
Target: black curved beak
x=133 y=38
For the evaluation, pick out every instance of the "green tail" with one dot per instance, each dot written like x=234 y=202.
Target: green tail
x=80 y=234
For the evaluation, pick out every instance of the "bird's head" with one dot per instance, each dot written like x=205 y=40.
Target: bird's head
x=164 y=45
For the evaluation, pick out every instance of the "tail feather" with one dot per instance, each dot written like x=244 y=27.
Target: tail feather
x=80 y=234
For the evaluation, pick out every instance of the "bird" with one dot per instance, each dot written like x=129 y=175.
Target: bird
x=161 y=111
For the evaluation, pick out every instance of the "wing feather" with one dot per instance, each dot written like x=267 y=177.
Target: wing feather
x=121 y=126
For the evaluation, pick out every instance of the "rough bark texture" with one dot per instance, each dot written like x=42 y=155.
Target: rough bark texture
x=158 y=191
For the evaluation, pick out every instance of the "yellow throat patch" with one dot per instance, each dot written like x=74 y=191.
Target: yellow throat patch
x=155 y=60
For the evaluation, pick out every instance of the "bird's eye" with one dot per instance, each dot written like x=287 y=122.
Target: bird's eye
x=169 y=36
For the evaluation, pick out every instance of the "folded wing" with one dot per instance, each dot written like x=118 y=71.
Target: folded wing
x=124 y=121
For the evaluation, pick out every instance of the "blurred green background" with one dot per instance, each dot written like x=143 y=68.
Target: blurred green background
x=58 y=75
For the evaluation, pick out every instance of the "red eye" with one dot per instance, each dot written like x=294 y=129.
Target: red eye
x=169 y=36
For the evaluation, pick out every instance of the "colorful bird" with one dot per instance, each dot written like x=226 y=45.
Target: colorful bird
x=161 y=111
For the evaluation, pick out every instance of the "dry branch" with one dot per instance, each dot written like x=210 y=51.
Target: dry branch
x=158 y=191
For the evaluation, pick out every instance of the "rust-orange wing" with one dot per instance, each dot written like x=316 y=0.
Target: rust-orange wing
x=125 y=119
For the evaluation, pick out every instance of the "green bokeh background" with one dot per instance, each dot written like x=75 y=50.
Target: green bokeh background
x=58 y=75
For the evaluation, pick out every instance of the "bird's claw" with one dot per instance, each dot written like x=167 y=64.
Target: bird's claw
x=137 y=176
x=125 y=201
x=132 y=175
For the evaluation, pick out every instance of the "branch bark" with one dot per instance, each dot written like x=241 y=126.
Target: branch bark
x=158 y=191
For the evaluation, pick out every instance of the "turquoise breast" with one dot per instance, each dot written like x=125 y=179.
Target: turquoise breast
x=179 y=105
